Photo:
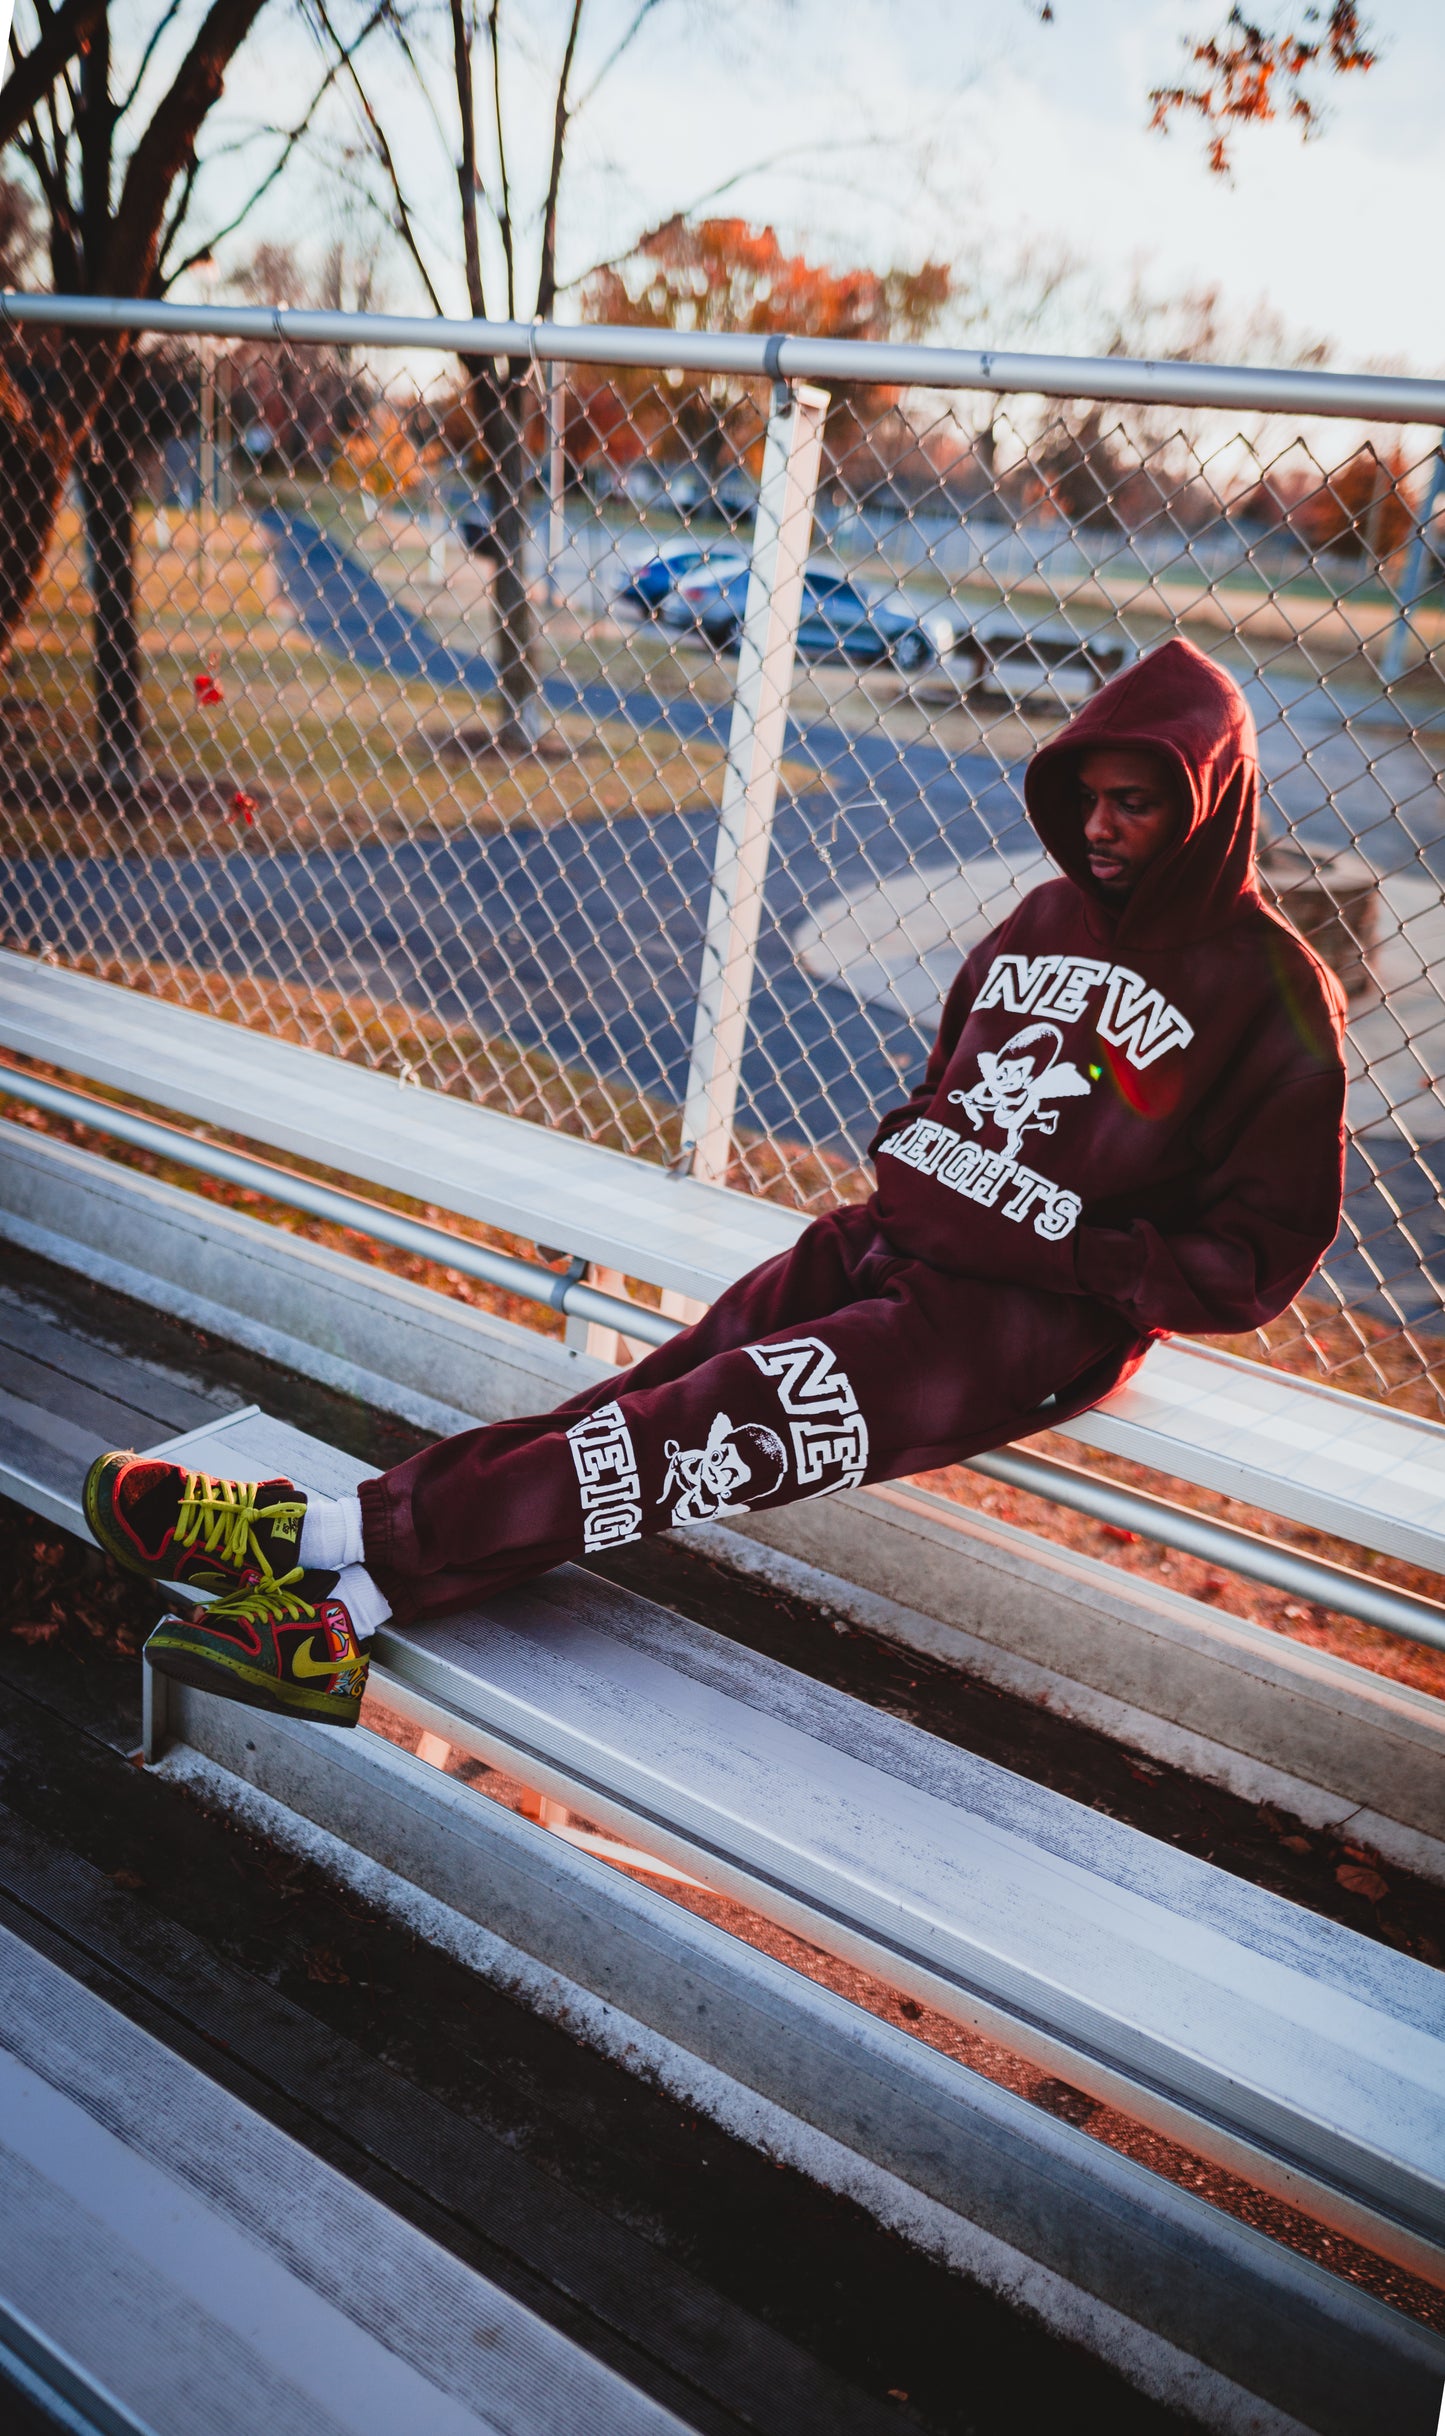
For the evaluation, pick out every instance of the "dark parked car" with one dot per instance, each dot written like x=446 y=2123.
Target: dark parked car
x=841 y=619
x=653 y=582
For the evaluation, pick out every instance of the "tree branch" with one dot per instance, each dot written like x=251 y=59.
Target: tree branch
x=713 y=194
x=168 y=143
x=625 y=42
x=384 y=155
x=291 y=138
x=64 y=260
x=467 y=165
x=504 y=183
x=547 y=269
x=1245 y=68
x=34 y=72
x=159 y=31
x=172 y=229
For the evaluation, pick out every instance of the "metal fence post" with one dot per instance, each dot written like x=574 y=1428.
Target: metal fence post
x=556 y=475
x=1412 y=582
x=781 y=538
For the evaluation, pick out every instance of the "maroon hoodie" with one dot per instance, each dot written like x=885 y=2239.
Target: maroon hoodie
x=1143 y=1103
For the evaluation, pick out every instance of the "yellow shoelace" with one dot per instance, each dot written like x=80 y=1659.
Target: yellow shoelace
x=268 y=1602
x=222 y=1516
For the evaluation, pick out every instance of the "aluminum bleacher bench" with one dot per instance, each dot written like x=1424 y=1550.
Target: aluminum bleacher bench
x=1368 y=1474
x=171 y=2263
x=1293 y=2050
x=529 y=1181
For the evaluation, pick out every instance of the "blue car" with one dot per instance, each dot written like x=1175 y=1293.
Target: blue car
x=841 y=619
x=652 y=584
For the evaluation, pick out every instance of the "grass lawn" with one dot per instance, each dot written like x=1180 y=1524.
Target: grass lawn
x=328 y=755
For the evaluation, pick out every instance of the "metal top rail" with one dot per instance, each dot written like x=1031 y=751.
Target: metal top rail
x=1372 y=397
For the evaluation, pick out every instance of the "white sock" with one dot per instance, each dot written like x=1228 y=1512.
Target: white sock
x=362 y=1600
x=331 y=1534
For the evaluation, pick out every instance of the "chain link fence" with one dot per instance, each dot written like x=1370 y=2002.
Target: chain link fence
x=389 y=698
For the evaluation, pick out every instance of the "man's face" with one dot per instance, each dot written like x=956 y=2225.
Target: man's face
x=1132 y=815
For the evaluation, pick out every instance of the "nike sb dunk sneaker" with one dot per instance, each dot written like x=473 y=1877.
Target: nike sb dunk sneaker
x=176 y=1525
x=286 y=1645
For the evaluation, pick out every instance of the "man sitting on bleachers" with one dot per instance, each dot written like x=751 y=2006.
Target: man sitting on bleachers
x=1131 y=1124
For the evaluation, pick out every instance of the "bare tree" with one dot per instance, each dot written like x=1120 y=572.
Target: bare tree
x=108 y=199
x=507 y=246
x=106 y=111
x=502 y=393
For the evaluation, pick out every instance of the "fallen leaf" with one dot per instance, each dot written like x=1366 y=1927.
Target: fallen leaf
x=35 y=1632
x=127 y=1878
x=1357 y=1880
x=323 y=1963
x=1296 y=1843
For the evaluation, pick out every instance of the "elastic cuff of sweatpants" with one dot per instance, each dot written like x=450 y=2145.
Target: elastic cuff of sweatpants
x=388 y=1544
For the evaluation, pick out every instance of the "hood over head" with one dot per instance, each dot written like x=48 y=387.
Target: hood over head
x=1177 y=702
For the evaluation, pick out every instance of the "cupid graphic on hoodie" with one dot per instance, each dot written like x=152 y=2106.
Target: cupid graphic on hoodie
x=1142 y=1102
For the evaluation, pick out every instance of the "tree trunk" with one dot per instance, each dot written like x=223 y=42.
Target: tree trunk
x=504 y=409
x=50 y=388
x=52 y=383
x=108 y=485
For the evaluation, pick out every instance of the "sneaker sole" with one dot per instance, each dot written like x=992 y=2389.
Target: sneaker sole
x=232 y=1679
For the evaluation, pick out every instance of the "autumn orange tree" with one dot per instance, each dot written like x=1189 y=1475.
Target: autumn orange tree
x=727 y=275
x=1248 y=74
x=1360 y=510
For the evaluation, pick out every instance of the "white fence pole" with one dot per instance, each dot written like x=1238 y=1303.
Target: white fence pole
x=1414 y=579
x=781 y=538
x=556 y=475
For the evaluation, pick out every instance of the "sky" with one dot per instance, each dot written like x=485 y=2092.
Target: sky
x=878 y=131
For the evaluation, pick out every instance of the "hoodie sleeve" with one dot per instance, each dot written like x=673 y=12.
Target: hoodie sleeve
x=1270 y=1209
x=956 y=1007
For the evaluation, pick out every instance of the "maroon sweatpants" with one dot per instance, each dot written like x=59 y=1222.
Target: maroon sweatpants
x=841 y=1361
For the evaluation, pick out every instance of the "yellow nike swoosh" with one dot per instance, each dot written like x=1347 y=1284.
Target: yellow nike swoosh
x=304 y=1665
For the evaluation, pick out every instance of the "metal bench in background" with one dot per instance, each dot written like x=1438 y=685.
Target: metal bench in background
x=158 y=2236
